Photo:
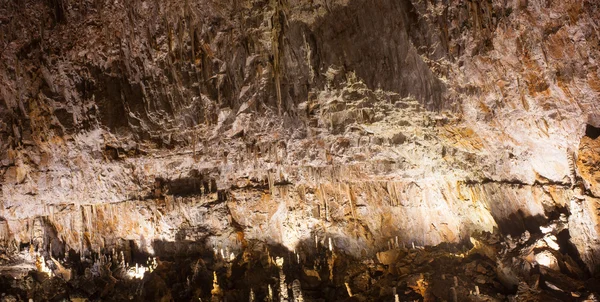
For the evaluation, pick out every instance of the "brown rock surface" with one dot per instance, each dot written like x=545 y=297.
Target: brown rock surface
x=180 y=127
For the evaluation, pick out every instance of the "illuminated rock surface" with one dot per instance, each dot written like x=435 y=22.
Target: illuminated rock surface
x=176 y=150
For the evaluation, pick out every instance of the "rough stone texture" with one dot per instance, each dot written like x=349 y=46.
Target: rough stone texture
x=216 y=122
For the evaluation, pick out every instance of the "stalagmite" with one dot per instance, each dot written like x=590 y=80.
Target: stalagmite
x=283 y=292
x=348 y=289
x=297 y=291
x=168 y=128
x=216 y=290
x=122 y=259
x=40 y=263
x=252 y=297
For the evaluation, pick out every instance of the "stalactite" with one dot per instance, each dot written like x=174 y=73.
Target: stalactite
x=169 y=33
x=60 y=11
x=181 y=31
x=352 y=207
x=4 y=231
x=572 y=167
x=192 y=29
x=331 y=264
x=276 y=33
x=327 y=211
x=271 y=181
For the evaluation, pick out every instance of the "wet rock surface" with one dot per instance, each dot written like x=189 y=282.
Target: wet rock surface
x=251 y=146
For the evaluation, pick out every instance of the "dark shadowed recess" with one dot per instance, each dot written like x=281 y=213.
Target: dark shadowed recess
x=591 y=131
x=381 y=41
x=195 y=183
x=517 y=223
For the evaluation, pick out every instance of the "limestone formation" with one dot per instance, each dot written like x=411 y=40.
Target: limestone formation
x=173 y=150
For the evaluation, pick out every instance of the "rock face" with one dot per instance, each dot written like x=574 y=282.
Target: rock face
x=180 y=127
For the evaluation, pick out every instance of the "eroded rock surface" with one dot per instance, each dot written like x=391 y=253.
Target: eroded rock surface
x=193 y=128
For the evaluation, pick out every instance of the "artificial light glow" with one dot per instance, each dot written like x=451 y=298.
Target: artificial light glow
x=546 y=230
x=136 y=272
x=546 y=259
x=279 y=262
x=542 y=259
x=40 y=263
x=551 y=242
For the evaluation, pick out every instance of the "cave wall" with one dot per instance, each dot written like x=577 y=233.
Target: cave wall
x=280 y=120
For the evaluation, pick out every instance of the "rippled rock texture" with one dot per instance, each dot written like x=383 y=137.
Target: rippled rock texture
x=162 y=128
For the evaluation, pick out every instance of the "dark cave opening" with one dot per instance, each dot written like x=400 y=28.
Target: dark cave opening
x=591 y=131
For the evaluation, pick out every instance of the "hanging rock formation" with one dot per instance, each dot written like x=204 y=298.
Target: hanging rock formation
x=219 y=135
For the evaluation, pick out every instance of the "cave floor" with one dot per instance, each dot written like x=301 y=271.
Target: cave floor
x=489 y=268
